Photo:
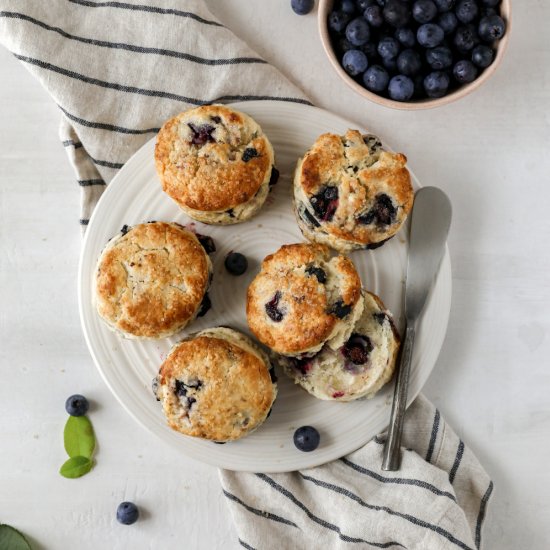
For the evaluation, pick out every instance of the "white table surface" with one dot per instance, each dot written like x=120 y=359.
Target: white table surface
x=489 y=152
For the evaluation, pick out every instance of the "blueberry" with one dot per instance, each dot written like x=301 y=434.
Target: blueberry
x=397 y=13
x=215 y=119
x=302 y=7
x=488 y=11
x=380 y=317
x=207 y=243
x=340 y=309
x=490 y=3
x=355 y=62
x=383 y=212
x=201 y=134
x=429 y=35
x=337 y=21
x=364 y=4
x=444 y=5
x=465 y=38
x=249 y=153
x=388 y=47
x=369 y=49
x=274 y=176
x=318 y=273
x=272 y=309
x=376 y=79
x=124 y=229
x=439 y=58
x=466 y=10
x=390 y=64
x=406 y=37
x=236 y=263
x=325 y=203
x=424 y=11
x=464 y=71
x=448 y=22
x=347 y=6
x=491 y=28
x=482 y=56
x=409 y=62
x=206 y=305
x=436 y=84
x=77 y=405
x=373 y=14
x=306 y=438
x=127 y=513
x=357 y=349
x=358 y=31
x=401 y=88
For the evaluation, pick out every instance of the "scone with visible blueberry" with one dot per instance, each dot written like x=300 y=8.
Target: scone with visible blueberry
x=303 y=299
x=217 y=385
x=151 y=280
x=357 y=369
x=349 y=193
x=215 y=163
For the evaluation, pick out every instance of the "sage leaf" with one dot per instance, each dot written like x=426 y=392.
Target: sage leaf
x=76 y=466
x=11 y=538
x=79 y=437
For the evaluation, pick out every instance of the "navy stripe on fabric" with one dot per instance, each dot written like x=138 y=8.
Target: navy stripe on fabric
x=71 y=143
x=267 y=515
x=105 y=126
x=481 y=515
x=458 y=458
x=433 y=438
x=412 y=519
x=244 y=545
x=107 y=163
x=83 y=222
x=279 y=488
x=87 y=183
x=150 y=9
x=132 y=47
x=398 y=480
x=150 y=93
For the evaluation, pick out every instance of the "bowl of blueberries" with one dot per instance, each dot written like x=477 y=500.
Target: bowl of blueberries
x=414 y=54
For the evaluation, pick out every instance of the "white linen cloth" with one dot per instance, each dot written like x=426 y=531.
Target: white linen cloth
x=117 y=71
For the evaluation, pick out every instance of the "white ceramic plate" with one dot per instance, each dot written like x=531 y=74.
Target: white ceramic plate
x=128 y=366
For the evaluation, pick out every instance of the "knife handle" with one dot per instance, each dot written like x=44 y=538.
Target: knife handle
x=392 y=447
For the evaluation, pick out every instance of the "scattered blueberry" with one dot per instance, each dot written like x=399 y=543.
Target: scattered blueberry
x=206 y=242
x=396 y=13
x=201 y=134
x=236 y=263
x=409 y=62
x=429 y=35
x=77 y=405
x=374 y=17
x=357 y=349
x=401 y=88
x=340 y=309
x=337 y=21
x=358 y=31
x=436 y=84
x=388 y=47
x=206 y=305
x=302 y=7
x=376 y=79
x=317 y=272
x=249 y=153
x=354 y=62
x=424 y=11
x=406 y=37
x=464 y=71
x=439 y=58
x=491 y=28
x=272 y=309
x=466 y=10
x=127 y=513
x=482 y=56
x=444 y=5
x=325 y=202
x=448 y=22
x=306 y=439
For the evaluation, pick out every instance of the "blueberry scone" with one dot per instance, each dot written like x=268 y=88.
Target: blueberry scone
x=215 y=163
x=303 y=299
x=216 y=384
x=349 y=193
x=151 y=280
x=360 y=367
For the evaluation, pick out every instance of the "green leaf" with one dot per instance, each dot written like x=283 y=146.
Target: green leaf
x=12 y=539
x=76 y=466
x=79 y=437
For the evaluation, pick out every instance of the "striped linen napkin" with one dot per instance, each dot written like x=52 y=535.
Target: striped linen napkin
x=117 y=70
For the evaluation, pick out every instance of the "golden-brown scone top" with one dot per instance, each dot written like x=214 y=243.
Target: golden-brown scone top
x=212 y=158
x=216 y=385
x=150 y=280
x=303 y=298
x=358 y=194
